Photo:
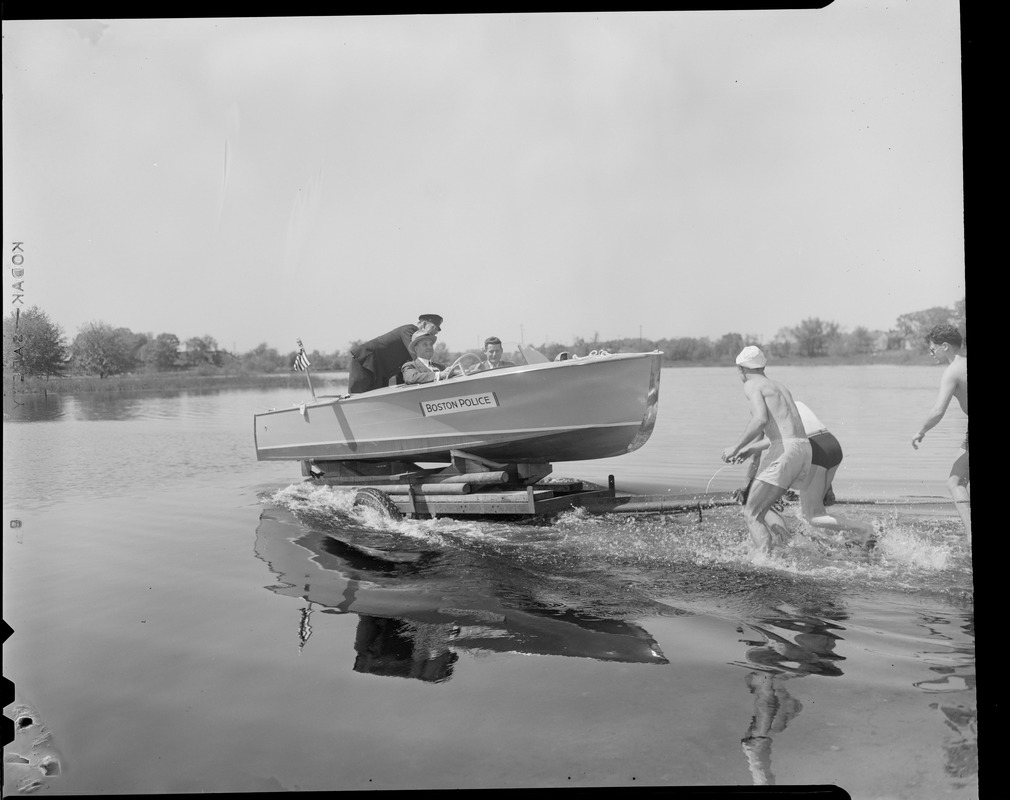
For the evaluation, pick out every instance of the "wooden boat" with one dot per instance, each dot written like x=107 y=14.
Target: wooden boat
x=535 y=412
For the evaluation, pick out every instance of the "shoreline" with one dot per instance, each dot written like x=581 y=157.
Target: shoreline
x=175 y=381
x=162 y=382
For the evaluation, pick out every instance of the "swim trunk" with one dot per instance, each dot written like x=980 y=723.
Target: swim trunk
x=788 y=462
x=827 y=452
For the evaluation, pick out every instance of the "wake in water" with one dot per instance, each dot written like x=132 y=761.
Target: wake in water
x=661 y=553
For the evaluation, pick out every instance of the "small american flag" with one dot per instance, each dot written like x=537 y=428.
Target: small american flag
x=301 y=360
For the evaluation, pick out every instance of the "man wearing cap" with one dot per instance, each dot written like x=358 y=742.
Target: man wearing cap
x=773 y=414
x=422 y=369
x=374 y=362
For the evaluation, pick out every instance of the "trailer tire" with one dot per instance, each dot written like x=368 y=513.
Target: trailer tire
x=377 y=501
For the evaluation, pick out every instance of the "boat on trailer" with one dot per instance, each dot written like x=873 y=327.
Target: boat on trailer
x=479 y=443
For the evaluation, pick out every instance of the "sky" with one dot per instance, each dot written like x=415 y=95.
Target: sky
x=533 y=176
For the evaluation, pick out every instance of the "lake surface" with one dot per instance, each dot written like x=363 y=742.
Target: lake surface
x=187 y=619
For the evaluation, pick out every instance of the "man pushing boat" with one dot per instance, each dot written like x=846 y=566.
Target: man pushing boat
x=773 y=414
x=374 y=362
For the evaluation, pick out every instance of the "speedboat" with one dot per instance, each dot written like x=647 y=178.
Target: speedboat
x=535 y=411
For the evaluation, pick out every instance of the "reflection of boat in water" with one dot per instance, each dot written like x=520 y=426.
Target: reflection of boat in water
x=413 y=620
x=537 y=411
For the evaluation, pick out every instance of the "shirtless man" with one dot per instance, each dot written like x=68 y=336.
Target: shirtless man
x=945 y=343
x=773 y=414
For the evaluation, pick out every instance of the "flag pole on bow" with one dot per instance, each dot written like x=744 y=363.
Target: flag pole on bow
x=302 y=364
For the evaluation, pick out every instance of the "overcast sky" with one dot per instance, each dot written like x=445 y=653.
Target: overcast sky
x=537 y=175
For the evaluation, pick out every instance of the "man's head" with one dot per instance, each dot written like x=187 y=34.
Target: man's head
x=751 y=358
x=944 y=340
x=422 y=345
x=493 y=349
x=430 y=323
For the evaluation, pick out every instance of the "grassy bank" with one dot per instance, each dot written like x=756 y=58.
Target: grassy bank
x=166 y=382
x=898 y=358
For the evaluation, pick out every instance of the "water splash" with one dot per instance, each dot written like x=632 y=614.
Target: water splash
x=662 y=553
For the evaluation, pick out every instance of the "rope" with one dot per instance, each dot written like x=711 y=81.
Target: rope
x=591 y=354
x=716 y=473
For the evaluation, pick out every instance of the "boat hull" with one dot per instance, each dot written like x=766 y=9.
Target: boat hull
x=589 y=408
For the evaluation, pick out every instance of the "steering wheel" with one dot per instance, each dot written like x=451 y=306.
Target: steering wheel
x=466 y=364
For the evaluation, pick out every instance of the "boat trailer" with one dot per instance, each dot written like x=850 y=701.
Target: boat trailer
x=473 y=486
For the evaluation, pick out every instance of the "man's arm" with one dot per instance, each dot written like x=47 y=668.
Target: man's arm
x=754 y=449
x=948 y=385
x=756 y=426
x=414 y=374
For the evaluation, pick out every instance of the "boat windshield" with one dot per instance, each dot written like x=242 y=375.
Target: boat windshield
x=520 y=354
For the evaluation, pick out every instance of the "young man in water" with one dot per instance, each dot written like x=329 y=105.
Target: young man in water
x=774 y=415
x=945 y=344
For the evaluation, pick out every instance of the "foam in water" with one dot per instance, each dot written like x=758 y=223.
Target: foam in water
x=329 y=505
x=907 y=553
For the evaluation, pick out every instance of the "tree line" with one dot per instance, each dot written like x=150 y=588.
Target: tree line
x=35 y=345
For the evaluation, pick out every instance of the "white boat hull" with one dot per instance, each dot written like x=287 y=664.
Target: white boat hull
x=594 y=407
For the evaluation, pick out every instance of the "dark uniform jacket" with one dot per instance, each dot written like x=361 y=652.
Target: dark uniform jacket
x=374 y=362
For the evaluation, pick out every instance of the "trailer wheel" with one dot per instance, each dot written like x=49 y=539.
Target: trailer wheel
x=377 y=501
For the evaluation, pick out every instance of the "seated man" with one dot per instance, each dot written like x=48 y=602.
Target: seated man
x=422 y=369
x=374 y=362
x=493 y=354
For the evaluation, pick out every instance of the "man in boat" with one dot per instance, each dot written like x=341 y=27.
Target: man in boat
x=493 y=355
x=773 y=414
x=945 y=343
x=374 y=362
x=423 y=369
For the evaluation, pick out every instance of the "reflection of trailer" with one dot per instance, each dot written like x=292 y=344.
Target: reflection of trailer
x=475 y=486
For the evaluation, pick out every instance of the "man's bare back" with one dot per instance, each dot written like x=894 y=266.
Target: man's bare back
x=784 y=420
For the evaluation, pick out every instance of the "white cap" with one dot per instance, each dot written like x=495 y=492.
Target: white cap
x=751 y=357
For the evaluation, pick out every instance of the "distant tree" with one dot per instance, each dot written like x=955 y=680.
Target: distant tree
x=581 y=347
x=862 y=341
x=783 y=345
x=135 y=344
x=913 y=326
x=266 y=359
x=442 y=354
x=960 y=318
x=679 y=349
x=161 y=353
x=686 y=348
x=103 y=350
x=340 y=360
x=203 y=350
x=729 y=344
x=34 y=345
x=813 y=336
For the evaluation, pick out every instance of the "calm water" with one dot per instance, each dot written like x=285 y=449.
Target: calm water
x=187 y=619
